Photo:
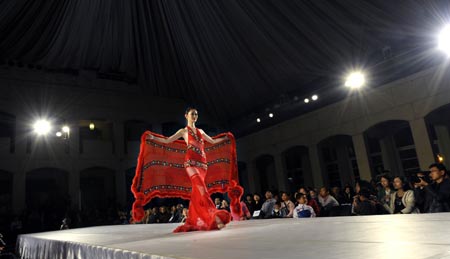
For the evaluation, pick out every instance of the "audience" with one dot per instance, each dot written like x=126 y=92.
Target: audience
x=436 y=195
x=402 y=200
x=384 y=193
x=303 y=210
x=267 y=206
x=326 y=201
x=287 y=206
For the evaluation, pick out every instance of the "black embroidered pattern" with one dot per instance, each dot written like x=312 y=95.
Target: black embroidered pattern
x=167 y=187
x=219 y=160
x=218 y=182
x=196 y=150
x=221 y=144
x=193 y=134
x=157 y=145
x=194 y=163
x=161 y=163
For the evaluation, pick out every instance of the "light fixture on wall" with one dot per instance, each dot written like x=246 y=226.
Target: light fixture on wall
x=306 y=100
x=258 y=120
x=314 y=97
x=58 y=134
x=91 y=126
x=271 y=115
x=440 y=158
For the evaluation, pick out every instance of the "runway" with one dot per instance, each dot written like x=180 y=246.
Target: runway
x=386 y=236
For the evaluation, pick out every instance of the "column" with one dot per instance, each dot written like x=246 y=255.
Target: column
x=307 y=172
x=443 y=138
x=362 y=157
x=280 y=172
x=253 y=177
x=345 y=170
x=18 y=192
x=422 y=143
x=118 y=138
x=391 y=160
x=74 y=187
x=315 y=166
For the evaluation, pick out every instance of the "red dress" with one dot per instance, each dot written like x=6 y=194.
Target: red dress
x=202 y=212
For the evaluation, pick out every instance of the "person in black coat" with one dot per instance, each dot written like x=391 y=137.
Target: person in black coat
x=436 y=196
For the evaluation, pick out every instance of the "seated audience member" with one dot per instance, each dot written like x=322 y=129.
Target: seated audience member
x=363 y=205
x=164 y=215
x=174 y=215
x=245 y=211
x=225 y=206
x=347 y=196
x=311 y=202
x=218 y=203
x=303 y=210
x=153 y=217
x=287 y=206
x=257 y=202
x=277 y=212
x=184 y=215
x=437 y=194
x=336 y=193
x=384 y=193
x=267 y=206
x=402 y=200
x=249 y=202
x=326 y=201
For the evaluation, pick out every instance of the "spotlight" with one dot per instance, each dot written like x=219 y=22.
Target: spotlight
x=42 y=127
x=306 y=100
x=65 y=129
x=271 y=115
x=444 y=40
x=91 y=126
x=315 y=97
x=355 y=80
x=58 y=134
x=258 y=120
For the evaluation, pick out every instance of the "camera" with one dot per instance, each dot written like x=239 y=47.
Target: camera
x=422 y=175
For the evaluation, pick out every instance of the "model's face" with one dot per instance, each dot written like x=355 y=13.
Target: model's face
x=191 y=116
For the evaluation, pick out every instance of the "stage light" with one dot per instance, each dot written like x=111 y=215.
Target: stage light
x=315 y=97
x=355 y=80
x=58 y=134
x=271 y=115
x=306 y=100
x=258 y=120
x=65 y=129
x=42 y=127
x=444 y=40
x=91 y=126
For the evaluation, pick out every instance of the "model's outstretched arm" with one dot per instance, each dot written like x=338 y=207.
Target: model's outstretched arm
x=168 y=140
x=211 y=140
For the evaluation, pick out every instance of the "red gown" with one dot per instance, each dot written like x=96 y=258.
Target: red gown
x=202 y=212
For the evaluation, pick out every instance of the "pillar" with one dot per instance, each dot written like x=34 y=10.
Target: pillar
x=315 y=166
x=422 y=143
x=362 y=157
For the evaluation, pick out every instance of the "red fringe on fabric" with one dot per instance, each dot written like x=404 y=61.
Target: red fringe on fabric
x=160 y=171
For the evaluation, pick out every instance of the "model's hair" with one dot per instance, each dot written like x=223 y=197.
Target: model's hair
x=190 y=108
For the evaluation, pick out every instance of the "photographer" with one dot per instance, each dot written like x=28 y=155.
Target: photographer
x=436 y=195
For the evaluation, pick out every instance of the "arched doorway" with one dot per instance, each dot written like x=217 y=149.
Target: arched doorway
x=391 y=148
x=265 y=167
x=338 y=161
x=298 y=167
x=97 y=187
x=438 y=124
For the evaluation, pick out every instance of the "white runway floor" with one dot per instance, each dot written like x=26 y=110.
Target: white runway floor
x=387 y=236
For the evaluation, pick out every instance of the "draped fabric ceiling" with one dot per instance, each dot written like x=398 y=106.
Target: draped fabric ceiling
x=231 y=57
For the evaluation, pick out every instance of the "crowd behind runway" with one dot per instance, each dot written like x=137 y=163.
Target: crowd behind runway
x=423 y=192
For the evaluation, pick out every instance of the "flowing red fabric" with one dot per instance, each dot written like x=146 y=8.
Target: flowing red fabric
x=162 y=172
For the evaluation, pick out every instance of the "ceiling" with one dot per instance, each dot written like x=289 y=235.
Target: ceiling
x=236 y=59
